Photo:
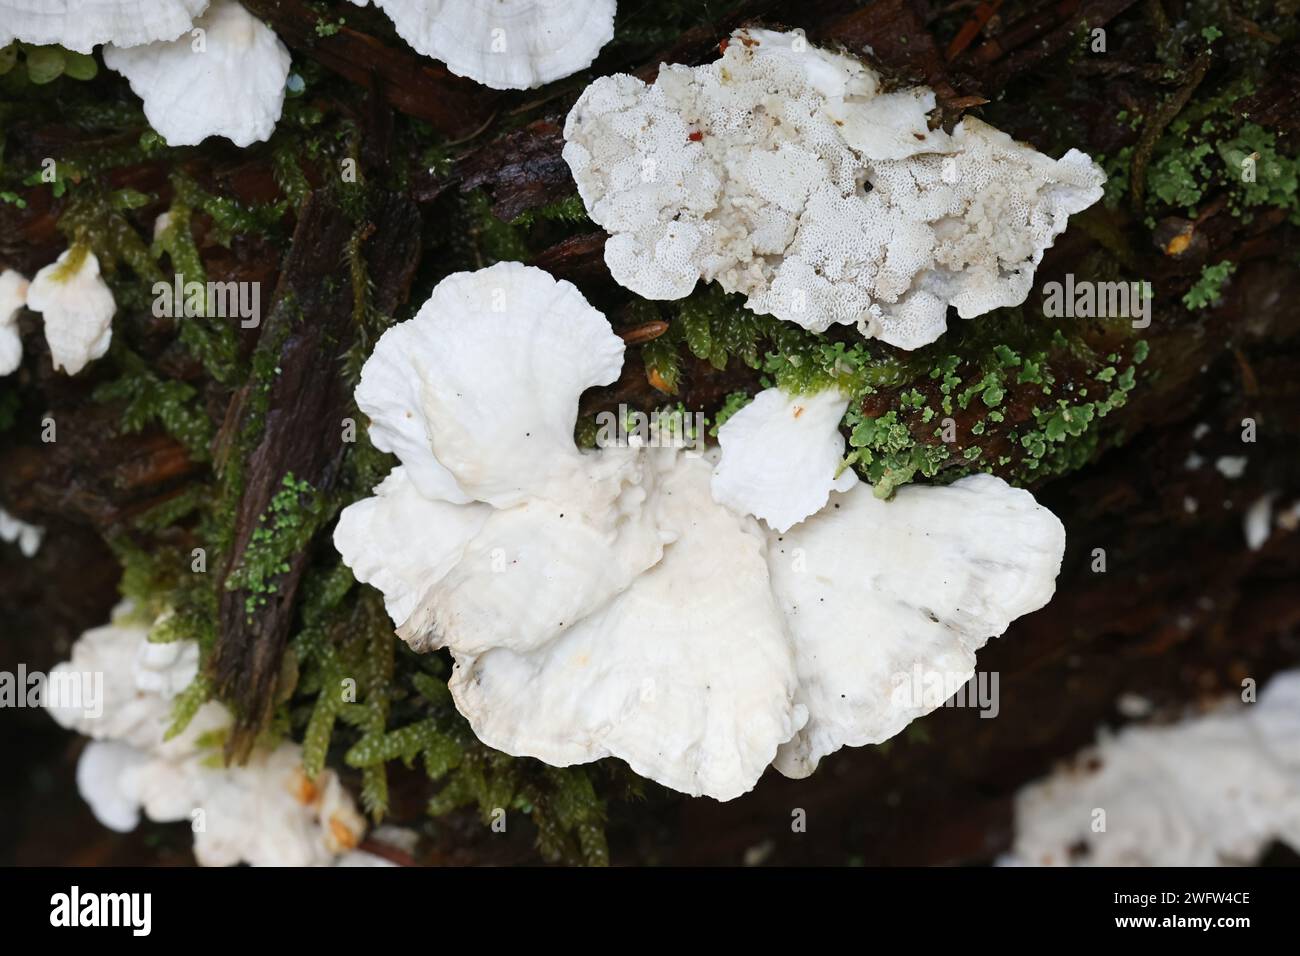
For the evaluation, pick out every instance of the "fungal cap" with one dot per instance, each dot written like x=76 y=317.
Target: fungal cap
x=232 y=85
x=77 y=307
x=781 y=456
x=506 y=44
x=82 y=25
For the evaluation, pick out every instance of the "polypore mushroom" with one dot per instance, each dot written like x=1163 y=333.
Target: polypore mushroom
x=783 y=172
x=888 y=601
x=229 y=81
x=120 y=689
x=77 y=307
x=1212 y=790
x=603 y=603
x=82 y=25
x=781 y=455
x=13 y=296
x=505 y=44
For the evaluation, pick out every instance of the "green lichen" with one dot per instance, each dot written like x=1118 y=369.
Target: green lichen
x=282 y=531
x=1208 y=288
x=732 y=404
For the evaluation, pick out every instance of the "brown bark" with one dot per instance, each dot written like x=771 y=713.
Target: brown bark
x=302 y=427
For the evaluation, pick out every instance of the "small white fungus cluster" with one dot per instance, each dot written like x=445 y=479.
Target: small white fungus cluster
x=75 y=303
x=1213 y=790
x=14 y=530
x=784 y=172
x=210 y=68
x=266 y=812
x=625 y=600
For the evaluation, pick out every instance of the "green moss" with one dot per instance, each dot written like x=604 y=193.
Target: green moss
x=732 y=404
x=148 y=398
x=230 y=217
x=494 y=240
x=569 y=210
x=717 y=328
x=210 y=339
x=25 y=63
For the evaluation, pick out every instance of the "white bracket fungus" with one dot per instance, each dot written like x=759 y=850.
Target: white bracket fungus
x=1213 y=790
x=603 y=603
x=82 y=25
x=784 y=172
x=505 y=44
x=787 y=487
x=13 y=296
x=119 y=688
x=232 y=84
x=77 y=307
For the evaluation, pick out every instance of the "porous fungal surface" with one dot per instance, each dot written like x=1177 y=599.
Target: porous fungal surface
x=604 y=603
x=1213 y=790
x=787 y=173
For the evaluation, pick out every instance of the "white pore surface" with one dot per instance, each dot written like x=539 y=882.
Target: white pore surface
x=782 y=171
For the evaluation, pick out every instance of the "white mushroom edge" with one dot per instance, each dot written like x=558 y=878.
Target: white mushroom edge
x=13 y=296
x=1210 y=790
x=227 y=79
x=602 y=603
x=505 y=44
x=119 y=688
x=784 y=172
x=77 y=307
x=82 y=25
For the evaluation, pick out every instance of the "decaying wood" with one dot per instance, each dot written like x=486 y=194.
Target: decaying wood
x=312 y=315
x=414 y=85
x=1183 y=611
